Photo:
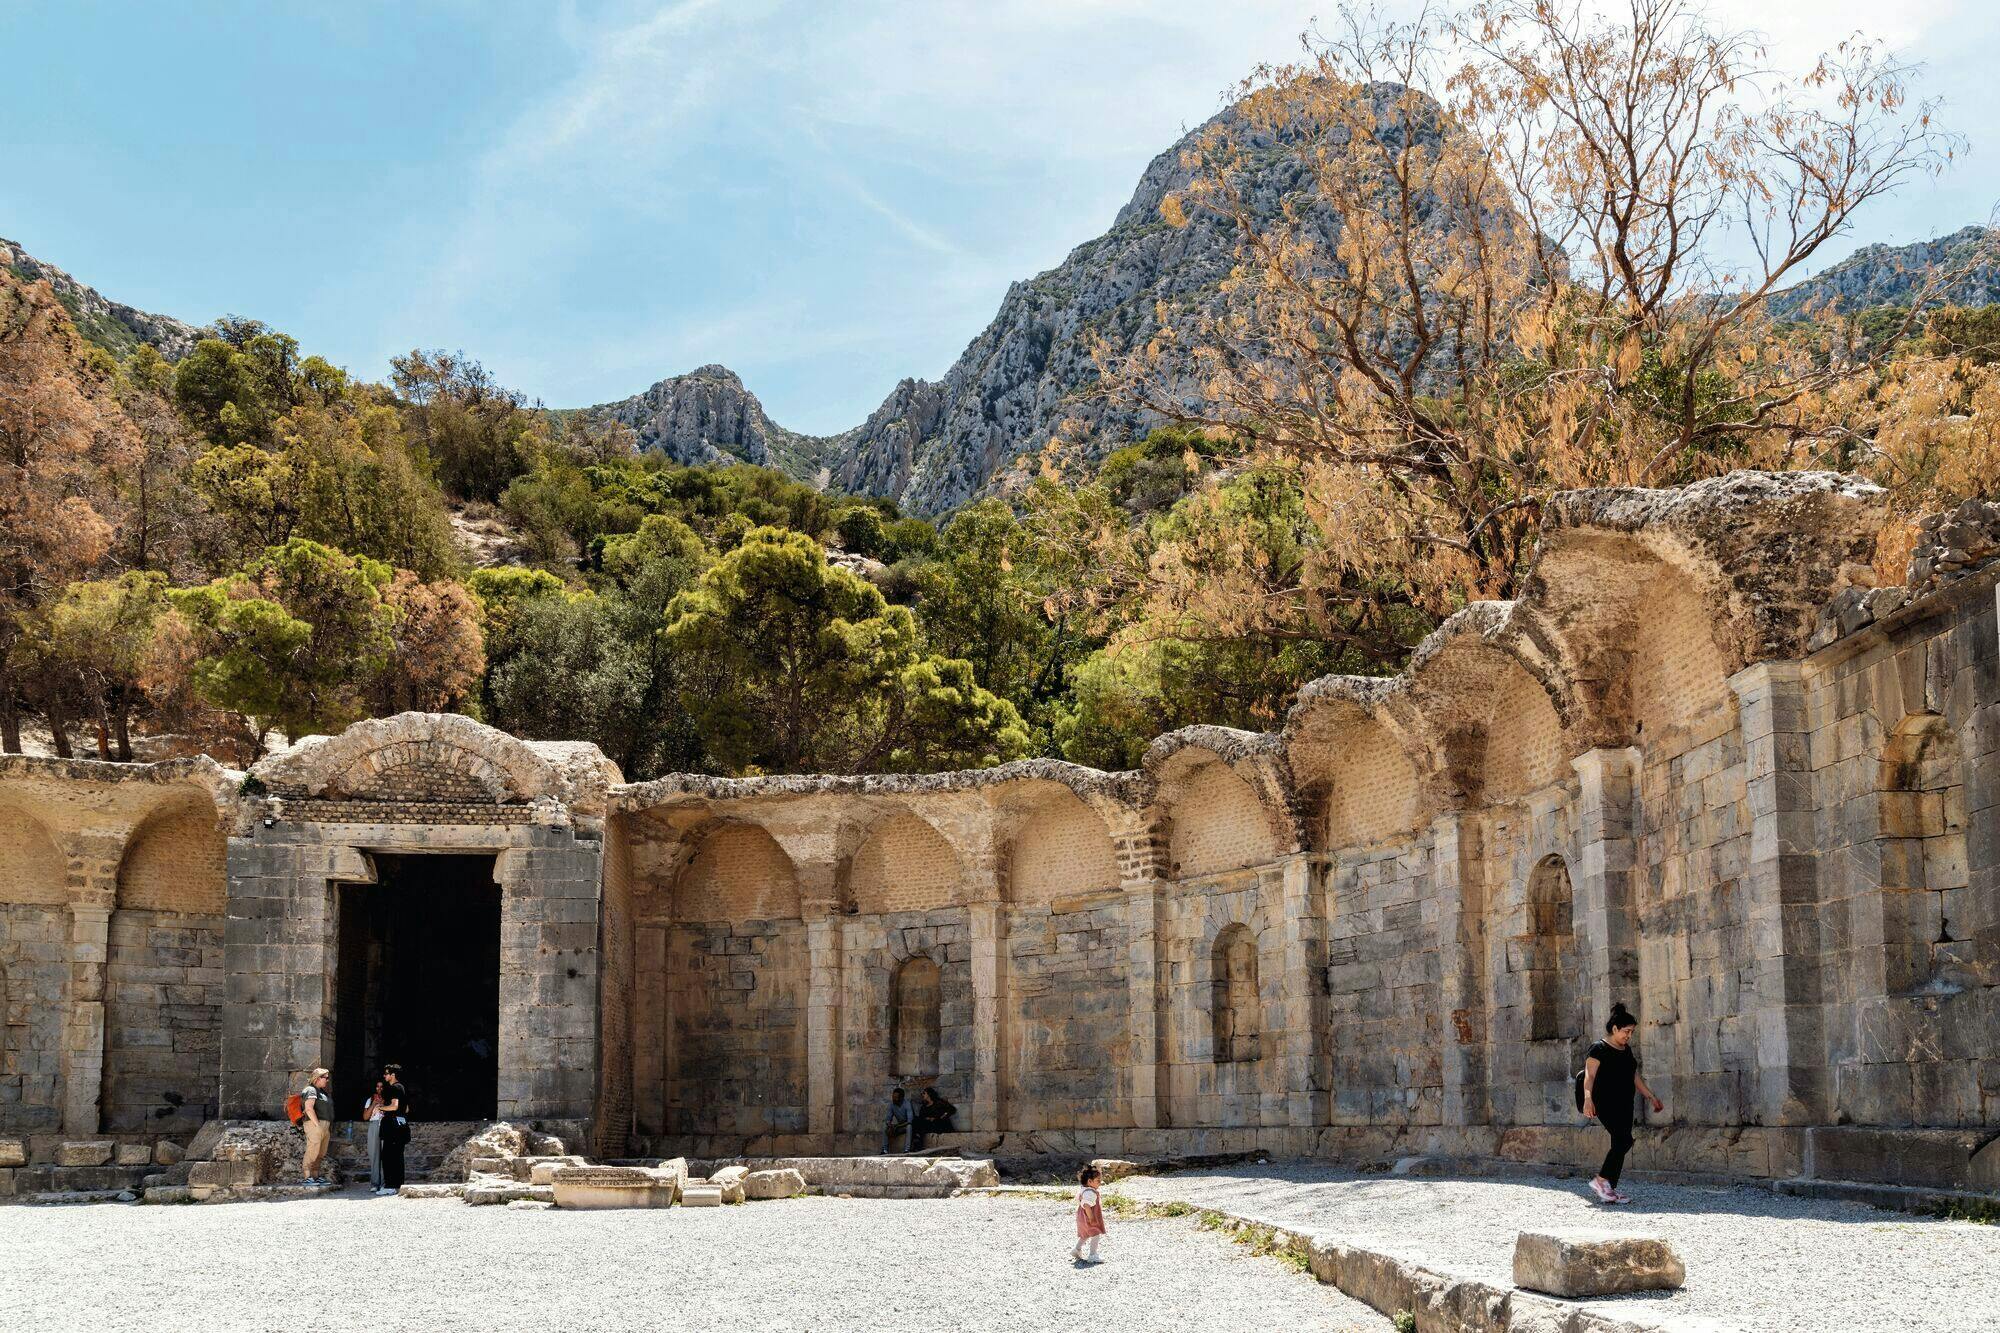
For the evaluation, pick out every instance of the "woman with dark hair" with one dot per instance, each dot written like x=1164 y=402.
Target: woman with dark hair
x=1609 y=1080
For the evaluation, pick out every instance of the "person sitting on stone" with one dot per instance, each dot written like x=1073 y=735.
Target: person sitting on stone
x=934 y=1115
x=900 y=1119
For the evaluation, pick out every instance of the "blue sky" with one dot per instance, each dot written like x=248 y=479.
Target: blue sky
x=826 y=197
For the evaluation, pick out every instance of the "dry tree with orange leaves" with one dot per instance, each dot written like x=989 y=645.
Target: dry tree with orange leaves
x=1528 y=248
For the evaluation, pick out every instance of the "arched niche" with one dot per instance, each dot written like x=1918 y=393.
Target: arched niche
x=177 y=862
x=1061 y=850
x=905 y=865
x=1555 y=1001
x=1234 y=1007
x=1218 y=823
x=737 y=873
x=33 y=870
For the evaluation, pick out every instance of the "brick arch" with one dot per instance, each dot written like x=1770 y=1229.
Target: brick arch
x=904 y=865
x=1647 y=637
x=737 y=873
x=1062 y=849
x=415 y=756
x=177 y=861
x=1218 y=823
x=34 y=869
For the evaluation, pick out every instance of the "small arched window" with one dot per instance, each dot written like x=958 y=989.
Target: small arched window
x=1234 y=1002
x=1551 y=952
x=915 y=1026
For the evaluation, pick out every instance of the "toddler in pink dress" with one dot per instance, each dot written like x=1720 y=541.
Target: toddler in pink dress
x=1089 y=1216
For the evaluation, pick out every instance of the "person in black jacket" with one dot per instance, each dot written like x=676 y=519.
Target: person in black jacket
x=395 y=1128
x=1610 y=1081
x=934 y=1115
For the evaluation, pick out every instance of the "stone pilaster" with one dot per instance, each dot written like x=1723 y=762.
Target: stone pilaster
x=1144 y=902
x=92 y=859
x=1297 y=1010
x=1457 y=840
x=1605 y=916
x=987 y=927
x=83 y=1029
x=825 y=946
x=551 y=894
x=1781 y=894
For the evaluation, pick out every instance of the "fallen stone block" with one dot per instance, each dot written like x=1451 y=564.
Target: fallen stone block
x=542 y=1170
x=133 y=1154
x=531 y=1205
x=701 y=1194
x=1576 y=1264
x=13 y=1152
x=730 y=1178
x=781 y=1184
x=94 y=1153
x=1115 y=1168
x=168 y=1153
x=484 y=1190
x=438 y=1191
x=170 y=1194
x=611 y=1187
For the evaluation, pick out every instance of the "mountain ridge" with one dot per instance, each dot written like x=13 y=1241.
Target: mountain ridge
x=112 y=325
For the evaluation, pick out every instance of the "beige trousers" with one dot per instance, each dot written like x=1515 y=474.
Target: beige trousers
x=318 y=1134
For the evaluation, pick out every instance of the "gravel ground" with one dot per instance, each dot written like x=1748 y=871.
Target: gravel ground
x=348 y=1262
x=1755 y=1260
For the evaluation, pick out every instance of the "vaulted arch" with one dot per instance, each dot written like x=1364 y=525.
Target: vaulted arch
x=737 y=873
x=33 y=869
x=904 y=865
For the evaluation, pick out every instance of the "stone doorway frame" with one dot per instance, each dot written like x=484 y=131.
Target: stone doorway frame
x=281 y=948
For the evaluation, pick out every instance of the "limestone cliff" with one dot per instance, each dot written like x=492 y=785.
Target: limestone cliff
x=1893 y=274
x=934 y=444
x=707 y=416
x=116 y=327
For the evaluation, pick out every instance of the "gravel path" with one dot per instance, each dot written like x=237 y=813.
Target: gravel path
x=1755 y=1260
x=351 y=1262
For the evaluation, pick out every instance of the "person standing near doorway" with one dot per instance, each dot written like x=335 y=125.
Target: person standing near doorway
x=372 y=1113
x=316 y=1119
x=1610 y=1080
x=395 y=1128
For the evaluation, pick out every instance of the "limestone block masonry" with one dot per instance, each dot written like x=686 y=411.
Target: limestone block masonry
x=1701 y=767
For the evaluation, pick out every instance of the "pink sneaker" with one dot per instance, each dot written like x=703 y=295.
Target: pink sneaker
x=1620 y=1196
x=1602 y=1189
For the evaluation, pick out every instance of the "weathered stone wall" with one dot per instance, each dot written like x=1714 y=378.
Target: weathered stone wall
x=1069 y=1049
x=1383 y=987
x=736 y=993
x=163 y=1019
x=34 y=974
x=874 y=951
x=1662 y=776
x=1904 y=724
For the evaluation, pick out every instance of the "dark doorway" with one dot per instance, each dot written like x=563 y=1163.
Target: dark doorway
x=419 y=984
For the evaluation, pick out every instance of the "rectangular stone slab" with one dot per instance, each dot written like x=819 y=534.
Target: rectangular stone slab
x=701 y=1196
x=1576 y=1264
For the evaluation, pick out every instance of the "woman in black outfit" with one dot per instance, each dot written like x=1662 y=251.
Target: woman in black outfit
x=1610 y=1078
x=395 y=1128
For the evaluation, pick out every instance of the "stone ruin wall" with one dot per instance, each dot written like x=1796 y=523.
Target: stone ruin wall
x=1664 y=775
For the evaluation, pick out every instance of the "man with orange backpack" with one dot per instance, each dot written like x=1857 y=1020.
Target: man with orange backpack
x=312 y=1111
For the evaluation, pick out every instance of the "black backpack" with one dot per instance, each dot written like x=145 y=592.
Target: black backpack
x=1579 y=1092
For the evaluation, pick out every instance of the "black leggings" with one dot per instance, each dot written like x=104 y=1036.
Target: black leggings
x=1621 y=1143
x=392 y=1162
